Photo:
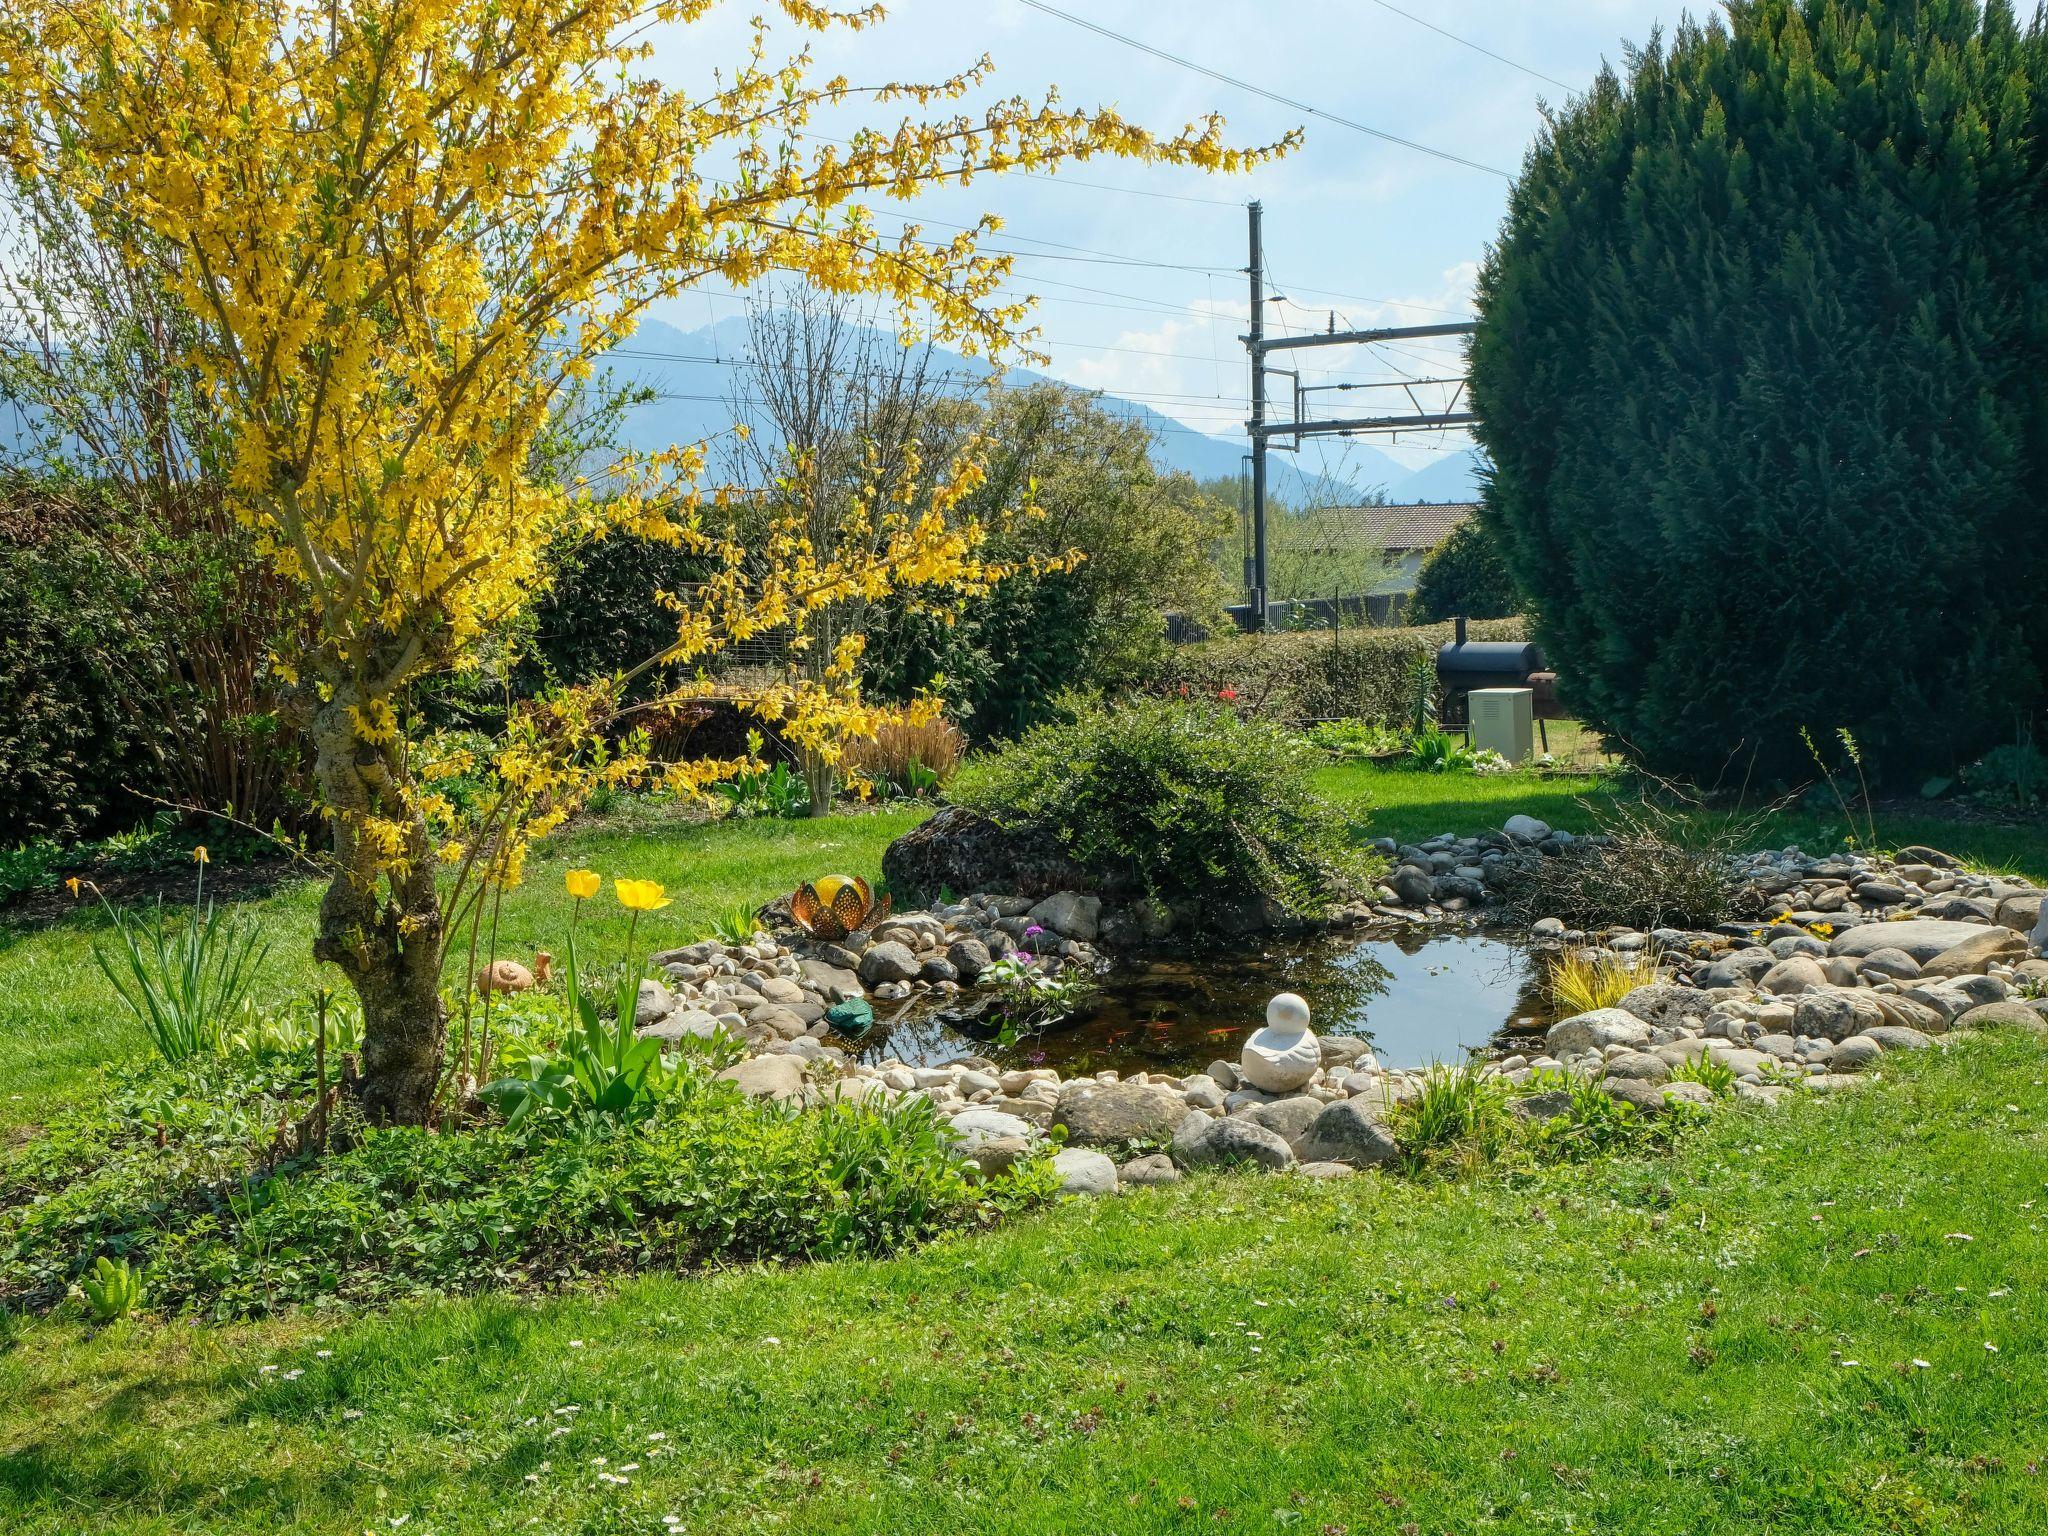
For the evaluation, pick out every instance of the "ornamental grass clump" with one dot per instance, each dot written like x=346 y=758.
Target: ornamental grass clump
x=1182 y=798
x=183 y=983
x=1579 y=982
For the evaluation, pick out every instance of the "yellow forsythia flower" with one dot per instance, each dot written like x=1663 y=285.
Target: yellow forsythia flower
x=583 y=883
x=640 y=895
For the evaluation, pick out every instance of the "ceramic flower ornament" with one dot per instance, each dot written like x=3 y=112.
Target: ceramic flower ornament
x=836 y=906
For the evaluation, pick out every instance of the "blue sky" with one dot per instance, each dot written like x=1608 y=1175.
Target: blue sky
x=1378 y=232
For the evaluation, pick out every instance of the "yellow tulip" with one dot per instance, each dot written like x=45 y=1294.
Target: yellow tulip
x=72 y=886
x=583 y=883
x=199 y=854
x=640 y=895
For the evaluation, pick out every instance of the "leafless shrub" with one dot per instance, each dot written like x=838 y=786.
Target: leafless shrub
x=1658 y=860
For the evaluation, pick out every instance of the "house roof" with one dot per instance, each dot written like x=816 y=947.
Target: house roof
x=1412 y=525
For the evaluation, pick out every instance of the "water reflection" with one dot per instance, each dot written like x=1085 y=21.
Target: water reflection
x=1417 y=996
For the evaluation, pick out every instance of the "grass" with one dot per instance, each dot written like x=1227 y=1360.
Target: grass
x=1719 y=1340
x=59 y=1016
x=1579 y=984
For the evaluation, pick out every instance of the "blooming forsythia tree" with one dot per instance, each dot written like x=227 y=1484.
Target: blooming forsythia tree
x=404 y=229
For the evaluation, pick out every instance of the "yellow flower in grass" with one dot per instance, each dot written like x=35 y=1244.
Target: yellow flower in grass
x=640 y=895
x=584 y=883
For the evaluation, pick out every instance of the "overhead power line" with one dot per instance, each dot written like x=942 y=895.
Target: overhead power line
x=1466 y=42
x=1259 y=90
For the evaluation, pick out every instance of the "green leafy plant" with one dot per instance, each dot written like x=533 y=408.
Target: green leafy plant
x=736 y=925
x=2014 y=775
x=1459 y=1119
x=184 y=981
x=1352 y=741
x=1182 y=797
x=29 y=866
x=601 y=1067
x=1717 y=1076
x=112 y=1289
x=1434 y=750
x=1594 y=1121
x=1033 y=995
x=1421 y=686
x=764 y=791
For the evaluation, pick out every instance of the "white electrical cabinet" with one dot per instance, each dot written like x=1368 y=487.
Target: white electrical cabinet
x=1504 y=721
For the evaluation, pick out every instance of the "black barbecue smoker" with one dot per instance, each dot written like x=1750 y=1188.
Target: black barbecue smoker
x=1464 y=665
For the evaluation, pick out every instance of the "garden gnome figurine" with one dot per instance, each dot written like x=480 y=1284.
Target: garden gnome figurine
x=1283 y=1056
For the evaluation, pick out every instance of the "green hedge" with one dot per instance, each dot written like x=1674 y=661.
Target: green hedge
x=1359 y=673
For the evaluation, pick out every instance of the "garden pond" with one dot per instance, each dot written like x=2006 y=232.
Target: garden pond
x=1418 y=995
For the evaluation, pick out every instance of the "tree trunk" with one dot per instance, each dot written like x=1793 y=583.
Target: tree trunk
x=388 y=945
x=821 y=778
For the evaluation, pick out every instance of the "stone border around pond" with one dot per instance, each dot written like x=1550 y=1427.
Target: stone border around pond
x=1853 y=956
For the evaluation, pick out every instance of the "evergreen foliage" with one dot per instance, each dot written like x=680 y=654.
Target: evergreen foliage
x=1760 y=374
x=1466 y=575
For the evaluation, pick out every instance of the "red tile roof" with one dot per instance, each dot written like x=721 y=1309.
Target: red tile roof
x=1413 y=525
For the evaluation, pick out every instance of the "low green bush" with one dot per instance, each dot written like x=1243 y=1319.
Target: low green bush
x=164 y=1174
x=1363 y=674
x=1183 y=798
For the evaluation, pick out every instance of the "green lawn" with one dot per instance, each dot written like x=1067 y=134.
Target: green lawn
x=1724 y=1339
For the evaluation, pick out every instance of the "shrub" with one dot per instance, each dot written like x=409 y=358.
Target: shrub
x=1363 y=674
x=1184 y=799
x=1647 y=867
x=1466 y=575
x=1759 y=336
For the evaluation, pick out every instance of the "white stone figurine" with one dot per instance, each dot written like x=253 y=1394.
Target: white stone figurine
x=1283 y=1056
x=2039 y=937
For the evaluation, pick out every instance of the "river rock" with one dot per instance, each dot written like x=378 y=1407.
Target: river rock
x=1526 y=829
x=835 y=982
x=1287 y=1118
x=1084 y=1171
x=1897 y=1037
x=775 y=1077
x=1664 y=1005
x=653 y=1003
x=1142 y=1171
x=2012 y=1014
x=1739 y=969
x=1111 y=1114
x=1834 y=1014
x=1641 y=1065
x=1793 y=975
x=1855 y=1053
x=1070 y=915
x=969 y=958
x=1205 y=1143
x=1595 y=1031
x=1890 y=965
x=1348 y=1132
x=1921 y=937
x=891 y=961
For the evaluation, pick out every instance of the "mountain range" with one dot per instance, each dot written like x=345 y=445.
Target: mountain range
x=693 y=374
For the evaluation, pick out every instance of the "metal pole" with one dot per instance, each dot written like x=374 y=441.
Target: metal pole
x=1258 y=351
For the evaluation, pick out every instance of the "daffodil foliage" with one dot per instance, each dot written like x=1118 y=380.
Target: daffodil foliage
x=406 y=229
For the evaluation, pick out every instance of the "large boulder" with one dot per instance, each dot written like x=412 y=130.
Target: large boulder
x=1348 y=1132
x=1070 y=915
x=888 y=962
x=1793 y=975
x=1742 y=968
x=1084 y=1171
x=1113 y=1114
x=1595 y=1031
x=1921 y=937
x=2012 y=1014
x=768 y=1077
x=1834 y=1014
x=960 y=851
x=1974 y=954
x=1202 y=1142
x=1664 y=1004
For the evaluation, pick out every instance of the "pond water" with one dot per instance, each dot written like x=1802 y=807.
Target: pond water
x=1418 y=995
